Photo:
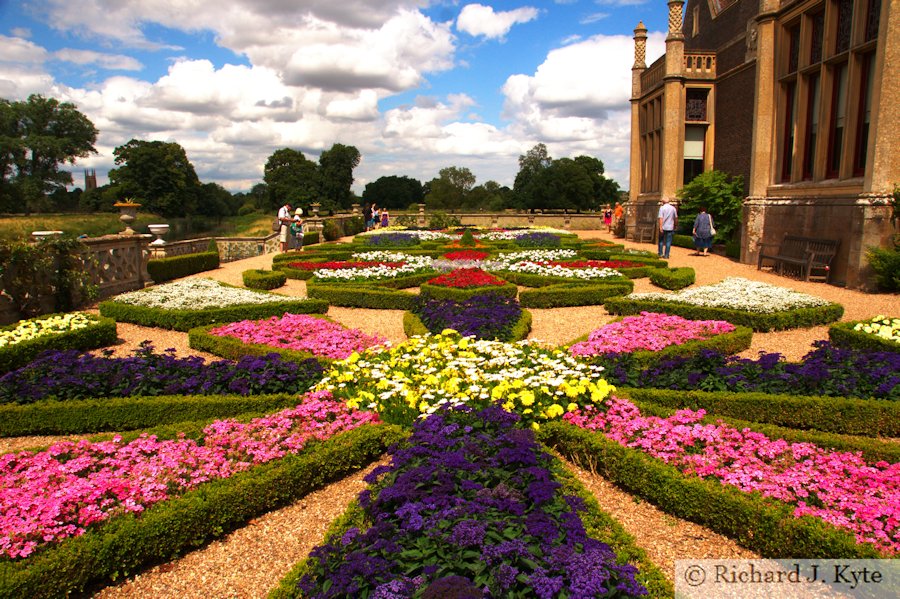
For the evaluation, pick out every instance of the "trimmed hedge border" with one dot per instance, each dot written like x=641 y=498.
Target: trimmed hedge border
x=263 y=279
x=128 y=544
x=728 y=343
x=100 y=333
x=185 y=320
x=527 y=279
x=775 y=321
x=82 y=416
x=361 y=296
x=442 y=292
x=764 y=525
x=577 y=294
x=842 y=415
x=413 y=325
x=673 y=278
x=235 y=349
x=841 y=334
x=175 y=267
x=872 y=450
x=597 y=523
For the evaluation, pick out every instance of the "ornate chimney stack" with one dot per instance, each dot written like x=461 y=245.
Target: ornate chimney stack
x=640 y=46
x=676 y=20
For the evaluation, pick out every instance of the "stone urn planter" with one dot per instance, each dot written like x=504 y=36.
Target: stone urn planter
x=160 y=231
x=127 y=214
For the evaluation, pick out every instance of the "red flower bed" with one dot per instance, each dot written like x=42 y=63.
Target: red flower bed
x=466 y=255
x=595 y=264
x=467 y=277
x=340 y=265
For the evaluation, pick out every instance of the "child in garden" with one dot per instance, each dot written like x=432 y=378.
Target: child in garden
x=385 y=218
x=297 y=228
x=607 y=217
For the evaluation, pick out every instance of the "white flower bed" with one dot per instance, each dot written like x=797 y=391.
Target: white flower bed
x=412 y=265
x=513 y=235
x=882 y=327
x=422 y=235
x=27 y=330
x=197 y=294
x=536 y=256
x=547 y=270
x=737 y=293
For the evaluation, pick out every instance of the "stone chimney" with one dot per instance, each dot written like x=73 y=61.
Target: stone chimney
x=676 y=20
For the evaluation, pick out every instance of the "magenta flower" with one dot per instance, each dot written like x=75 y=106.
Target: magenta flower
x=649 y=331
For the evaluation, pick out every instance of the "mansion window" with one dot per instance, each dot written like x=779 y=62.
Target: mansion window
x=826 y=69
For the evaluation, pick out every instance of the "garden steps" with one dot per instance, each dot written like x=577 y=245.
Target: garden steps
x=250 y=561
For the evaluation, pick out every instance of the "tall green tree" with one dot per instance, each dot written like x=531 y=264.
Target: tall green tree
x=564 y=185
x=336 y=176
x=531 y=165
x=37 y=136
x=394 y=192
x=292 y=177
x=721 y=195
x=157 y=174
x=489 y=196
x=449 y=190
x=606 y=191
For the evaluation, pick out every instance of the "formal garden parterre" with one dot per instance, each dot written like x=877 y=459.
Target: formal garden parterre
x=780 y=456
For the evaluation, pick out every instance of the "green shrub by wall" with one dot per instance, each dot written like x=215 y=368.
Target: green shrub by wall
x=166 y=269
x=100 y=333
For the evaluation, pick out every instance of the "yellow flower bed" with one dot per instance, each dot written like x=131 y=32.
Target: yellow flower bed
x=27 y=330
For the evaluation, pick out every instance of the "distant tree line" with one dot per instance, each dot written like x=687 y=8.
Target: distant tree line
x=40 y=135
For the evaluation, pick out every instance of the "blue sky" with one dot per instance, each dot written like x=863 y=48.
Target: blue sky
x=416 y=86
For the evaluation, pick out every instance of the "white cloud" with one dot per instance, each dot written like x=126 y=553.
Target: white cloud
x=593 y=18
x=19 y=50
x=115 y=62
x=477 y=19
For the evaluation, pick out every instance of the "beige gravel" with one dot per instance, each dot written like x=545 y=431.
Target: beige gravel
x=250 y=561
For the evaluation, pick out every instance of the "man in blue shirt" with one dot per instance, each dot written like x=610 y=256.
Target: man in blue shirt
x=668 y=220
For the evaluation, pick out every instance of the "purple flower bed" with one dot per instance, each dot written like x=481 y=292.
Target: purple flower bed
x=486 y=316
x=538 y=240
x=70 y=375
x=826 y=371
x=468 y=508
x=391 y=240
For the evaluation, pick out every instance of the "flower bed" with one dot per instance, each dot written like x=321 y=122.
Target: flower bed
x=22 y=342
x=72 y=375
x=484 y=316
x=298 y=332
x=741 y=301
x=825 y=371
x=377 y=266
x=466 y=255
x=463 y=278
x=424 y=373
x=471 y=506
x=190 y=303
x=72 y=485
x=464 y=283
x=878 y=334
x=838 y=487
x=648 y=332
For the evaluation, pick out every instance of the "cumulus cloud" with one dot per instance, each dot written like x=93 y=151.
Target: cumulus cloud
x=114 y=62
x=19 y=50
x=477 y=19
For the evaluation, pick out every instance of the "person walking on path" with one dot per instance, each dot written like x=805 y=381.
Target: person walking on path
x=668 y=220
x=618 y=213
x=607 y=217
x=703 y=235
x=285 y=218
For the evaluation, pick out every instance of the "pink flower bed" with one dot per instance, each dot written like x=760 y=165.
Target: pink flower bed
x=301 y=332
x=838 y=487
x=50 y=495
x=648 y=331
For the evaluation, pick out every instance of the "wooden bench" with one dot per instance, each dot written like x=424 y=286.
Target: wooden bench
x=644 y=231
x=803 y=257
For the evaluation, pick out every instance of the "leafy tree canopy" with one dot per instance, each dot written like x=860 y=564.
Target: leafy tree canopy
x=336 y=176
x=292 y=177
x=159 y=175
x=721 y=195
x=448 y=191
x=393 y=192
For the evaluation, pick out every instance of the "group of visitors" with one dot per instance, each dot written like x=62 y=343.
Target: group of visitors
x=609 y=214
x=291 y=234
x=703 y=230
x=375 y=217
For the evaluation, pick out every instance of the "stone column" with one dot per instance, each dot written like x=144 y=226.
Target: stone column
x=640 y=65
x=315 y=222
x=354 y=209
x=883 y=165
x=673 y=105
x=762 y=142
x=421 y=218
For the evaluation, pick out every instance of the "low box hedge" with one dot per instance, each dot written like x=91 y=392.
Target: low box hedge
x=413 y=325
x=442 y=292
x=361 y=296
x=774 y=321
x=672 y=278
x=872 y=450
x=403 y=282
x=314 y=254
x=85 y=416
x=257 y=278
x=527 y=279
x=100 y=333
x=128 y=544
x=574 y=294
x=185 y=320
x=234 y=349
x=762 y=524
x=841 y=334
x=175 y=267
x=847 y=416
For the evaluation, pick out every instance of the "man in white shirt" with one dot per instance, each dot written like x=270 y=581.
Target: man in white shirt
x=668 y=220
x=284 y=215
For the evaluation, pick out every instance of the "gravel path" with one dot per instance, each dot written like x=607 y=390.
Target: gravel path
x=250 y=561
